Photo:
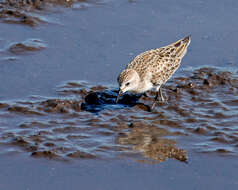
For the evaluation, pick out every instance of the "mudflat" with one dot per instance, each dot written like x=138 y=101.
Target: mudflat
x=60 y=127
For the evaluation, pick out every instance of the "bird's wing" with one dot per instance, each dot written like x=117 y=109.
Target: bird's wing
x=162 y=62
x=169 y=59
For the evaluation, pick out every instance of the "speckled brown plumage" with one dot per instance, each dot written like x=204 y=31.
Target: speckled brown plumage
x=162 y=62
x=153 y=68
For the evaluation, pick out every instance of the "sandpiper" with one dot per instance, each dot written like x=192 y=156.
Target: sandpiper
x=151 y=69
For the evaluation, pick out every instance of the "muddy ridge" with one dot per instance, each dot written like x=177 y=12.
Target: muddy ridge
x=85 y=122
x=20 y=11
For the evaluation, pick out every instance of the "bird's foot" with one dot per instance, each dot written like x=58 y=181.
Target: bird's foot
x=163 y=100
x=153 y=105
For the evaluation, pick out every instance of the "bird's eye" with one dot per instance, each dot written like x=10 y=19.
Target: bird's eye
x=127 y=84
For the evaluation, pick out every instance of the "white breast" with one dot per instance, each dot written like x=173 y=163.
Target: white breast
x=145 y=84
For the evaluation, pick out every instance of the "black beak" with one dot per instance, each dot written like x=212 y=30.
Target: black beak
x=118 y=96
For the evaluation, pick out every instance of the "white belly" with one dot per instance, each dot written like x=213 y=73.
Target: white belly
x=144 y=87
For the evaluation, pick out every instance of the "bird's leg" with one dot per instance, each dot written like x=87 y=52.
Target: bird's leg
x=155 y=100
x=158 y=94
x=161 y=94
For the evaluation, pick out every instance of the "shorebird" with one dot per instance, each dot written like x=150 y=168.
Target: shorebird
x=151 y=69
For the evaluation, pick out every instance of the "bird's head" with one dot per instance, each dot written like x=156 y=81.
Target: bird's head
x=128 y=81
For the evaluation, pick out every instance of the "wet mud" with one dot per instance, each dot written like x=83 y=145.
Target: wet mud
x=84 y=122
x=11 y=51
x=28 y=12
x=30 y=45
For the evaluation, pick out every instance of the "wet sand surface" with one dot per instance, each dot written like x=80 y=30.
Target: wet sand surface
x=59 y=63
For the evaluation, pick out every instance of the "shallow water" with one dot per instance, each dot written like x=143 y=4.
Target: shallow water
x=59 y=63
x=86 y=123
x=204 y=172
